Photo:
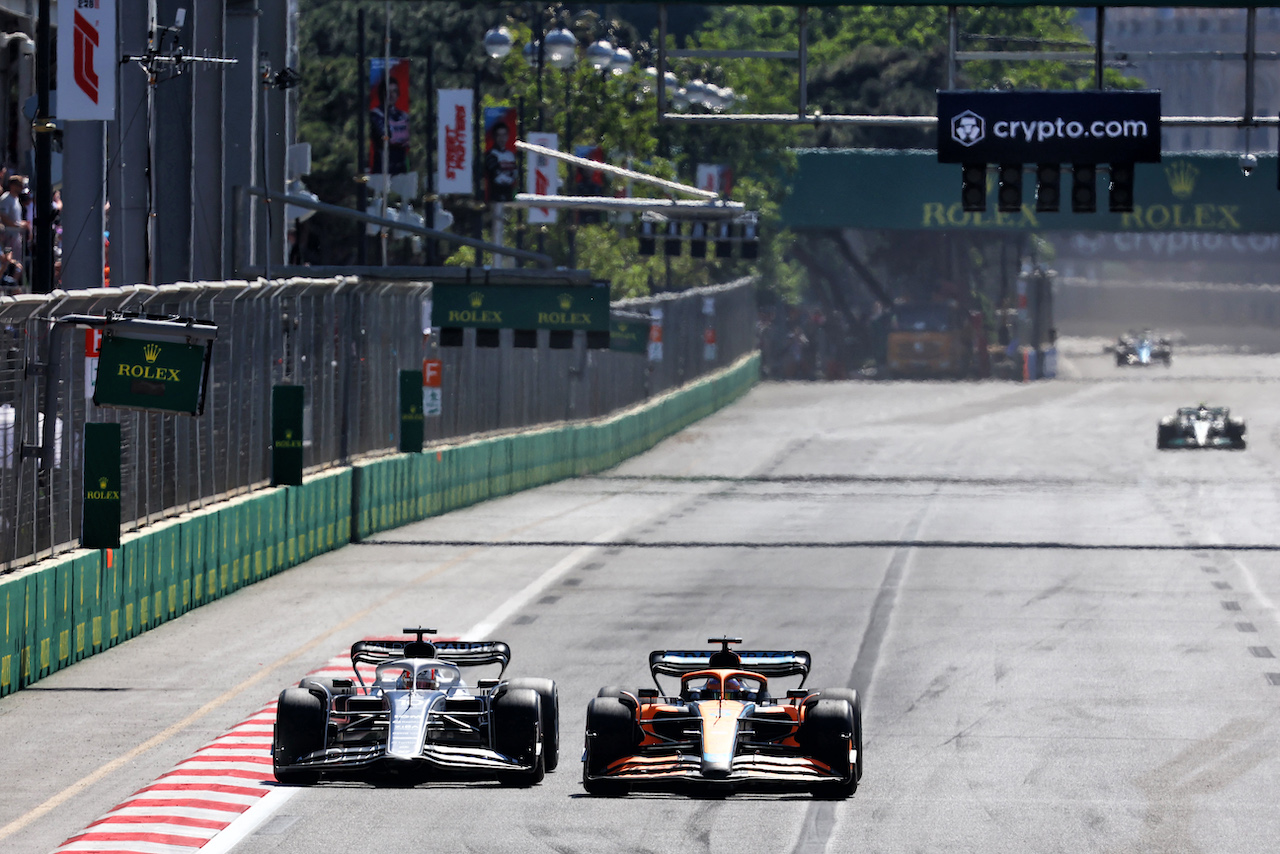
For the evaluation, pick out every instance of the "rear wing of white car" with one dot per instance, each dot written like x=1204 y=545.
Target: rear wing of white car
x=459 y=653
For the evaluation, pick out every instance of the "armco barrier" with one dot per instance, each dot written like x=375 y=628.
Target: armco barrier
x=403 y=488
x=84 y=602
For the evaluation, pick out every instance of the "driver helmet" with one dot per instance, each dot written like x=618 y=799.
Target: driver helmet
x=734 y=685
x=427 y=680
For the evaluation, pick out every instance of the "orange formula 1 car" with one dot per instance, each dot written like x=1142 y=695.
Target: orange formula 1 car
x=723 y=730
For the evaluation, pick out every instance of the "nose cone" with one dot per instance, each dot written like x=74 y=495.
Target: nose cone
x=1202 y=432
x=719 y=736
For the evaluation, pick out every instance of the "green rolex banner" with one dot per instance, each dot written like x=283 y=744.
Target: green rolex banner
x=137 y=373
x=100 y=516
x=286 y=435
x=411 y=411
x=629 y=334
x=521 y=307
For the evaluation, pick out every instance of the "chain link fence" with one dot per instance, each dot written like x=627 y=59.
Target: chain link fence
x=344 y=340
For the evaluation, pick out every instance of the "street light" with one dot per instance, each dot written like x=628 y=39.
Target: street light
x=600 y=55
x=622 y=62
x=497 y=42
x=558 y=48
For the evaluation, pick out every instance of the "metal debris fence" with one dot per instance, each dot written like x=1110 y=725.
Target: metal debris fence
x=345 y=341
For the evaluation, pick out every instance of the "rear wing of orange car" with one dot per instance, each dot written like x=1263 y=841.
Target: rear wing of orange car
x=460 y=653
x=671 y=662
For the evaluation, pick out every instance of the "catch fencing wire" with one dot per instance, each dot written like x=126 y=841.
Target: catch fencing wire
x=344 y=340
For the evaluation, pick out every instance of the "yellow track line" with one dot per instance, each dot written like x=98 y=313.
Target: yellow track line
x=88 y=780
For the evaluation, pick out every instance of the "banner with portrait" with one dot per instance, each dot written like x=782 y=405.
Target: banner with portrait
x=389 y=115
x=589 y=182
x=453 y=142
x=501 y=167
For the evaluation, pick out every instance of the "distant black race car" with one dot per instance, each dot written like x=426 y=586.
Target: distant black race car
x=1143 y=349
x=418 y=718
x=1201 y=427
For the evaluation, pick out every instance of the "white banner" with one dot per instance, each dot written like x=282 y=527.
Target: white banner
x=454 y=143
x=87 y=60
x=542 y=177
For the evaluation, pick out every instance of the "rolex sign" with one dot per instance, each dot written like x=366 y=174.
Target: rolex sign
x=167 y=376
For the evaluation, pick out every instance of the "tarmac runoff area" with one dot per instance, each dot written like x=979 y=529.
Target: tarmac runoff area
x=1065 y=639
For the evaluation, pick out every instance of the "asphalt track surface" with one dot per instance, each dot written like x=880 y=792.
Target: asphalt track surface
x=1065 y=639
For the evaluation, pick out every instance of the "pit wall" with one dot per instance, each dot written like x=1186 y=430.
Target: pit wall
x=69 y=608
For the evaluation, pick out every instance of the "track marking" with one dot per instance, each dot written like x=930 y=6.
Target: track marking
x=541 y=583
x=219 y=701
x=249 y=821
x=93 y=777
x=225 y=837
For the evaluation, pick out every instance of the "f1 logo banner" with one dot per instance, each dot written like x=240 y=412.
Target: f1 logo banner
x=1049 y=127
x=87 y=60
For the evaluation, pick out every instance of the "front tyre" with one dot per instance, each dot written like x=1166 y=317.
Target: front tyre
x=827 y=734
x=855 y=702
x=517 y=733
x=611 y=735
x=300 y=731
x=549 y=700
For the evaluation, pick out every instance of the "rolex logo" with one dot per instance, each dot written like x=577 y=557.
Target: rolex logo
x=477 y=299
x=1182 y=178
x=566 y=302
x=102 y=483
x=151 y=352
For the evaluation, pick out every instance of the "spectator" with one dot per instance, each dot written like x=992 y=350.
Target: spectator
x=10 y=274
x=15 y=227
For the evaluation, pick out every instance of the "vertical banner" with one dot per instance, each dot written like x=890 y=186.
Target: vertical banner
x=87 y=60
x=432 y=372
x=715 y=177
x=709 y=329
x=286 y=435
x=453 y=142
x=92 y=350
x=411 y=412
x=100 y=517
x=589 y=182
x=542 y=176
x=389 y=115
x=501 y=169
x=655 y=335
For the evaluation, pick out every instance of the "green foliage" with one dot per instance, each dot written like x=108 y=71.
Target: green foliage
x=863 y=60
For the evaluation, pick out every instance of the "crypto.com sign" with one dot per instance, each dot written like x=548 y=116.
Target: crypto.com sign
x=1049 y=127
x=87 y=60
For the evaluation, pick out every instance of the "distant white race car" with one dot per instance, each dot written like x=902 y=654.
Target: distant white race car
x=418 y=718
x=1201 y=427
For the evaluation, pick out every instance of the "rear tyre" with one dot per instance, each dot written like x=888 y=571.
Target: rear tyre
x=549 y=699
x=611 y=735
x=517 y=725
x=299 y=731
x=827 y=733
x=611 y=691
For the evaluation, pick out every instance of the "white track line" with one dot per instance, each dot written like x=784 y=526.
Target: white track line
x=255 y=816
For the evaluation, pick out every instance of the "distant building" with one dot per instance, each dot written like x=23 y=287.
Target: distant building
x=1209 y=87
